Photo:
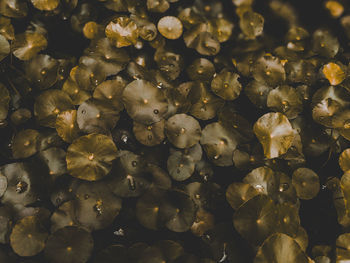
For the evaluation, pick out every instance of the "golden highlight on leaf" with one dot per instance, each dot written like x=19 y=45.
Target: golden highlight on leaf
x=333 y=73
x=275 y=134
x=335 y=8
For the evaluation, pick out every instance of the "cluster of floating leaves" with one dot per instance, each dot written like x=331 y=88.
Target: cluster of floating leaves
x=180 y=130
